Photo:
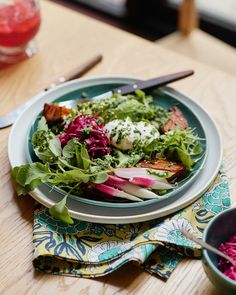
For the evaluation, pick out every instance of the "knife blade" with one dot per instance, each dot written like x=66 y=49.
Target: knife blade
x=155 y=82
x=11 y=117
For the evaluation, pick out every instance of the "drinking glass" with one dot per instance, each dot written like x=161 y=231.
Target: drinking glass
x=19 y=23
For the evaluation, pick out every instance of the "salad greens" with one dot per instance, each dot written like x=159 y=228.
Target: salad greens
x=178 y=144
x=64 y=167
x=136 y=106
x=60 y=211
x=66 y=157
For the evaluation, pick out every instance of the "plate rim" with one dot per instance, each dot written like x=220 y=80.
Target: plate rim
x=122 y=219
x=168 y=197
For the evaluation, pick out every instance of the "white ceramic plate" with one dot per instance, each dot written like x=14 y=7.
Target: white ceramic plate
x=88 y=212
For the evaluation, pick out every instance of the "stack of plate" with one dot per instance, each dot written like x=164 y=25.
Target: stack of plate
x=204 y=172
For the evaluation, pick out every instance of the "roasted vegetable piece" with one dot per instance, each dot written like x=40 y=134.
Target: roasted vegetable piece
x=54 y=113
x=165 y=165
x=177 y=119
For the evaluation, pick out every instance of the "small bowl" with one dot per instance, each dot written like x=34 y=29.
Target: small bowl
x=218 y=231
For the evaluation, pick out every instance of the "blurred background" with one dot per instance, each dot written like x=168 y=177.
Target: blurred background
x=200 y=29
x=154 y=19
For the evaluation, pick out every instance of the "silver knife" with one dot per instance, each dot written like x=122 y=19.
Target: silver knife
x=10 y=118
x=155 y=82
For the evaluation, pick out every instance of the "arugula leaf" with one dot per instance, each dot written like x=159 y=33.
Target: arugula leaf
x=30 y=172
x=20 y=189
x=47 y=146
x=180 y=155
x=197 y=149
x=100 y=178
x=82 y=156
x=77 y=154
x=177 y=145
x=24 y=190
x=135 y=110
x=105 y=162
x=68 y=151
x=98 y=175
x=121 y=159
x=126 y=160
x=54 y=145
x=137 y=106
x=29 y=176
x=79 y=161
x=42 y=124
x=60 y=211
x=85 y=157
x=70 y=176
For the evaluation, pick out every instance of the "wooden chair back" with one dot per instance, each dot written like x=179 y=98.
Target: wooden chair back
x=188 y=17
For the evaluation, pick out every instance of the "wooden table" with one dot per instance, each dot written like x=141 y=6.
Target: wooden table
x=66 y=40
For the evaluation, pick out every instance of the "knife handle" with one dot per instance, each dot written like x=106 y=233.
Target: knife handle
x=152 y=82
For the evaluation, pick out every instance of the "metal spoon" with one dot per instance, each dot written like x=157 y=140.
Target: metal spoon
x=207 y=246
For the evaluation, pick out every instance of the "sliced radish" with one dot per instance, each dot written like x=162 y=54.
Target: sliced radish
x=110 y=191
x=142 y=172
x=151 y=183
x=130 y=188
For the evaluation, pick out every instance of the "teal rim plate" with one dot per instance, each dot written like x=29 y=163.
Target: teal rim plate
x=161 y=98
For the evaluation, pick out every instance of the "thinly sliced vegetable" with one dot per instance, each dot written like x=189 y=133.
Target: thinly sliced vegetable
x=130 y=188
x=88 y=130
x=143 y=172
x=113 y=192
x=228 y=248
x=151 y=183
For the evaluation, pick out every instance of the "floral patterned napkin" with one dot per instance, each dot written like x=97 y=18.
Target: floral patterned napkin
x=87 y=249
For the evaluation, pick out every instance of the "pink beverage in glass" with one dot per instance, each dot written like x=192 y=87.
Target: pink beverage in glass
x=19 y=23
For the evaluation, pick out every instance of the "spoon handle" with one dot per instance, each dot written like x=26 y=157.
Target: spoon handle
x=206 y=246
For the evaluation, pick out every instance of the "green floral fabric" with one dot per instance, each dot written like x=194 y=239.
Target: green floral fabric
x=89 y=250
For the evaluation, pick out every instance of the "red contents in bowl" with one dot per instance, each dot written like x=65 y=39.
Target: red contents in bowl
x=89 y=130
x=19 y=22
x=229 y=248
